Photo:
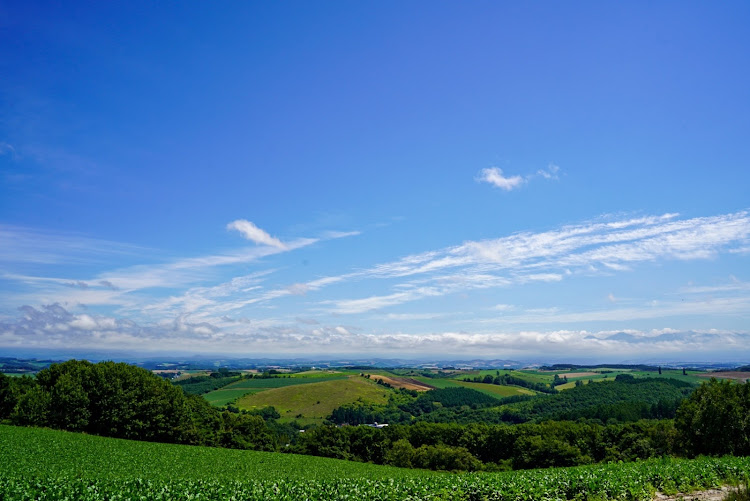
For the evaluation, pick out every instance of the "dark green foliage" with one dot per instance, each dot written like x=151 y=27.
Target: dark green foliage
x=109 y=399
x=715 y=419
x=565 y=367
x=124 y=401
x=494 y=446
x=455 y=397
x=199 y=385
x=267 y=413
x=622 y=400
x=11 y=390
x=367 y=412
x=508 y=380
x=440 y=405
x=625 y=400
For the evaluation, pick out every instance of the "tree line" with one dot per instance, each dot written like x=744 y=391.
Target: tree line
x=119 y=400
x=123 y=401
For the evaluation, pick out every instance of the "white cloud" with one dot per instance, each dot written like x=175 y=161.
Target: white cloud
x=53 y=327
x=735 y=285
x=551 y=172
x=339 y=234
x=298 y=289
x=495 y=177
x=405 y=317
x=351 y=306
x=84 y=322
x=257 y=235
x=551 y=256
x=653 y=310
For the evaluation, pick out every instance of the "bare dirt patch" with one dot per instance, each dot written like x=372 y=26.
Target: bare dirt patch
x=403 y=382
x=737 y=376
x=709 y=495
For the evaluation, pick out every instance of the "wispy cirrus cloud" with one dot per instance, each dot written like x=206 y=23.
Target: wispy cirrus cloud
x=22 y=245
x=602 y=247
x=646 y=311
x=250 y=231
x=7 y=149
x=597 y=247
x=44 y=251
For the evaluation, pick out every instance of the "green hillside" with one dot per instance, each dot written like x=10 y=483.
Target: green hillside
x=317 y=400
x=496 y=390
x=46 y=464
x=234 y=391
x=39 y=451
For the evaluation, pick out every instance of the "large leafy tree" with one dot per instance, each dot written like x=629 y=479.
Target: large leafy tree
x=716 y=419
x=111 y=399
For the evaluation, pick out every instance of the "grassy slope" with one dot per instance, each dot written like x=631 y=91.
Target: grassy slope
x=46 y=464
x=37 y=451
x=233 y=391
x=316 y=400
x=496 y=390
x=439 y=382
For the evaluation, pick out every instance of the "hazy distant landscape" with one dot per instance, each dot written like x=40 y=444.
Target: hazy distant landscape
x=638 y=426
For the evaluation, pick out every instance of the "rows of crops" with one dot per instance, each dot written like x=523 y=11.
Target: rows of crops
x=44 y=464
x=622 y=482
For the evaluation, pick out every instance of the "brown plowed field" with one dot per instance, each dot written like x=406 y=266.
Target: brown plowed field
x=737 y=376
x=403 y=382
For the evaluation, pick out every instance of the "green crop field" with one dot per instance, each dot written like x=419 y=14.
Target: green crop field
x=315 y=401
x=528 y=375
x=38 y=451
x=496 y=390
x=222 y=396
x=50 y=465
x=439 y=382
x=324 y=373
x=234 y=391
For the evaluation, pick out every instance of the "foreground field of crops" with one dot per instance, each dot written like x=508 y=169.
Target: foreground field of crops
x=45 y=464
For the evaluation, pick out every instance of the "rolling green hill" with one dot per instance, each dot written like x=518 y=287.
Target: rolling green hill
x=315 y=401
x=497 y=390
x=234 y=391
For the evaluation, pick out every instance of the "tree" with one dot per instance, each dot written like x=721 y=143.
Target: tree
x=715 y=419
x=11 y=390
x=32 y=408
x=400 y=454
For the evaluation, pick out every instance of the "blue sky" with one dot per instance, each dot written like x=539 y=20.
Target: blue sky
x=556 y=181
